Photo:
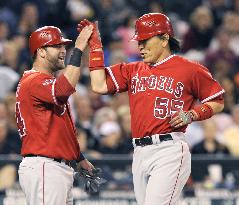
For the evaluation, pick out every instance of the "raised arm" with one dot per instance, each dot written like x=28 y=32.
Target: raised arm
x=72 y=71
x=96 y=59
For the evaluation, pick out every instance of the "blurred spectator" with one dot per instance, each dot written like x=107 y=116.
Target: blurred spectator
x=10 y=102
x=200 y=31
x=10 y=55
x=97 y=101
x=84 y=118
x=8 y=79
x=180 y=26
x=23 y=60
x=84 y=145
x=223 y=121
x=10 y=140
x=231 y=133
x=229 y=96
x=29 y=18
x=124 y=117
x=209 y=144
x=126 y=32
x=179 y=7
x=230 y=23
x=194 y=134
x=110 y=138
x=235 y=6
x=9 y=17
x=110 y=14
x=218 y=9
x=3 y=111
x=4 y=33
x=114 y=52
x=221 y=61
x=50 y=16
x=155 y=7
x=79 y=9
x=76 y=10
x=102 y=115
x=119 y=100
x=7 y=146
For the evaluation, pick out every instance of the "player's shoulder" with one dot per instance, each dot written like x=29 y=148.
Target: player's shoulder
x=130 y=66
x=34 y=77
x=137 y=65
x=191 y=65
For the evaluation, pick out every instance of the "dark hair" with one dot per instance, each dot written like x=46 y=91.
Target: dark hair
x=34 y=56
x=173 y=43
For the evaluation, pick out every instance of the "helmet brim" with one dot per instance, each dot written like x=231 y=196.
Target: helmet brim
x=66 y=41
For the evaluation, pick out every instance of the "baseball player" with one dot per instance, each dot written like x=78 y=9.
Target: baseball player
x=163 y=91
x=44 y=121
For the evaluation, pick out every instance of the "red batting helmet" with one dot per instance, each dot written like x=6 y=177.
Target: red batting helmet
x=46 y=36
x=152 y=24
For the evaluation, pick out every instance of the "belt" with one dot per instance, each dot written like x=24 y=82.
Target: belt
x=67 y=162
x=153 y=139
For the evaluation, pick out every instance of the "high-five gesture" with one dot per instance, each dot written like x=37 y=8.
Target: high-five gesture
x=83 y=37
x=95 y=40
x=96 y=56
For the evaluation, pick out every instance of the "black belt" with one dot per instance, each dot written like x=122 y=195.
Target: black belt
x=67 y=162
x=154 y=139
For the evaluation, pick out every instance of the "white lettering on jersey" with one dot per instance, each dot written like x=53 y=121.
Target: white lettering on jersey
x=168 y=87
x=18 y=89
x=161 y=82
x=142 y=84
x=152 y=82
x=48 y=82
x=20 y=121
x=134 y=82
x=179 y=90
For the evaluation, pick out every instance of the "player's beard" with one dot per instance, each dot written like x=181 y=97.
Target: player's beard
x=55 y=63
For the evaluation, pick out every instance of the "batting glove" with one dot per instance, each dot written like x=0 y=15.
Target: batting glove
x=95 y=40
x=182 y=118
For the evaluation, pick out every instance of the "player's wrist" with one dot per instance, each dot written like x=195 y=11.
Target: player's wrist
x=193 y=115
x=80 y=158
x=96 y=60
x=75 y=59
x=202 y=112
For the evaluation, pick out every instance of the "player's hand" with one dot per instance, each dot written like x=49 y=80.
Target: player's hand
x=85 y=164
x=95 y=40
x=83 y=37
x=181 y=118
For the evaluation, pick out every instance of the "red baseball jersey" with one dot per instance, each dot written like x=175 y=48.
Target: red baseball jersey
x=158 y=91
x=43 y=116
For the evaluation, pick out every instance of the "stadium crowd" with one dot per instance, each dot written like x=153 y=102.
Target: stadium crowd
x=208 y=31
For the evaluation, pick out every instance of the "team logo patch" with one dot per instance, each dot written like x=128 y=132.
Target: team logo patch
x=48 y=82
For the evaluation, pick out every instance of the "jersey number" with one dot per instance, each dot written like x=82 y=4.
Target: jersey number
x=20 y=121
x=165 y=107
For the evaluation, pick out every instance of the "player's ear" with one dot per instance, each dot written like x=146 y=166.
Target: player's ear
x=165 y=38
x=41 y=52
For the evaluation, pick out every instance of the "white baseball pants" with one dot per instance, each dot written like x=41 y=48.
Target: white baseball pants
x=160 y=172
x=46 y=182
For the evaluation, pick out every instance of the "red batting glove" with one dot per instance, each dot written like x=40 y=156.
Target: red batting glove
x=82 y=24
x=95 y=40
